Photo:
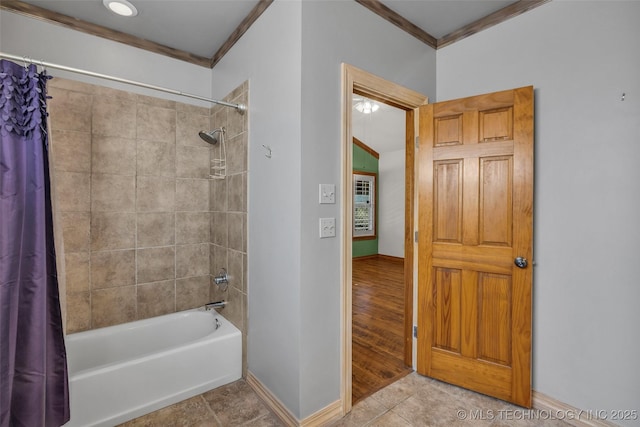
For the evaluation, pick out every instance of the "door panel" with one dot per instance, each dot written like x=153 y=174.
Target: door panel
x=494 y=315
x=496 y=207
x=447 y=201
x=475 y=217
x=448 y=287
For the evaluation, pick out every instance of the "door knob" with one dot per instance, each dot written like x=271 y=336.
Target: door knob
x=520 y=262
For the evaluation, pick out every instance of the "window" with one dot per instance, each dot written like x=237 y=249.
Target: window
x=364 y=205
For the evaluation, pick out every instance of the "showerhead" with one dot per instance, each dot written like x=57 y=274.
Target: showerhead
x=212 y=137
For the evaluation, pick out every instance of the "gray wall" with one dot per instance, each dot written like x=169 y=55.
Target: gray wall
x=294 y=277
x=39 y=40
x=335 y=32
x=270 y=60
x=580 y=57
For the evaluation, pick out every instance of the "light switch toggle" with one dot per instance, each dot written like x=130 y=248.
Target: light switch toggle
x=327 y=193
x=327 y=227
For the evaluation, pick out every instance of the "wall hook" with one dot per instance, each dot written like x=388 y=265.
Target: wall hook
x=623 y=96
x=268 y=153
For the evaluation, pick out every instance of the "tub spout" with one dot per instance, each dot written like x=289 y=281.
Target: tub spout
x=215 y=304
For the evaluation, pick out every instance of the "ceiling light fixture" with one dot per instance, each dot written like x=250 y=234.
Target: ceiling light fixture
x=367 y=107
x=120 y=7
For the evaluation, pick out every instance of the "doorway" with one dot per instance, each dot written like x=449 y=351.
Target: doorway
x=492 y=322
x=359 y=82
x=378 y=308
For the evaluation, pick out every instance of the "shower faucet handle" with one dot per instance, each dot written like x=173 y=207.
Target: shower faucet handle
x=222 y=277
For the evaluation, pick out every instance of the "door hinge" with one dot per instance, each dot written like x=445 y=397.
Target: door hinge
x=415 y=236
x=415 y=331
x=417 y=142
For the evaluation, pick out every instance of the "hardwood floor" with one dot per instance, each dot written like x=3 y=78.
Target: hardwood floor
x=377 y=330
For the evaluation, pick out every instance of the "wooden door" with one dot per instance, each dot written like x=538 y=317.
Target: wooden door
x=475 y=218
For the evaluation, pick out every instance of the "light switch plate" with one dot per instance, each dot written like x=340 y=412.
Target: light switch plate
x=327 y=227
x=327 y=193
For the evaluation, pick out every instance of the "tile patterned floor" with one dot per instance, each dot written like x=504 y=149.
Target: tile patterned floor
x=413 y=401
x=234 y=404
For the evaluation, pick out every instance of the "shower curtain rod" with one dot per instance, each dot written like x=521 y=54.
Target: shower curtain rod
x=241 y=108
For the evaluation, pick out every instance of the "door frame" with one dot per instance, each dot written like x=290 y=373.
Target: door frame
x=355 y=80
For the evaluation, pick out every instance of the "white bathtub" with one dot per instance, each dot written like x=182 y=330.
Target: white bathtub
x=122 y=372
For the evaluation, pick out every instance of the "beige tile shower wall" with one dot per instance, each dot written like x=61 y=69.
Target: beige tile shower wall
x=228 y=204
x=133 y=190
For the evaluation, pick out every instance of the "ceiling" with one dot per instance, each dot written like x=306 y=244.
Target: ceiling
x=202 y=31
x=440 y=18
x=382 y=130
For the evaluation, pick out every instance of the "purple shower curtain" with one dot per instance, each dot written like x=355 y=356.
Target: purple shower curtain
x=34 y=389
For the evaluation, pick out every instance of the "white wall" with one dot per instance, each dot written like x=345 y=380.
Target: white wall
x=294 y=277
x=391 y=181
x=294 y=107
x=40 y=40
x=334 y=32
x=580 y=57
x=268 y=55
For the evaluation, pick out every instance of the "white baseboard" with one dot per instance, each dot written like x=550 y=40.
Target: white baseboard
x=331 y=412
x=556 y=409
x=322 y=417
x=271 y=401
x=571 y=415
